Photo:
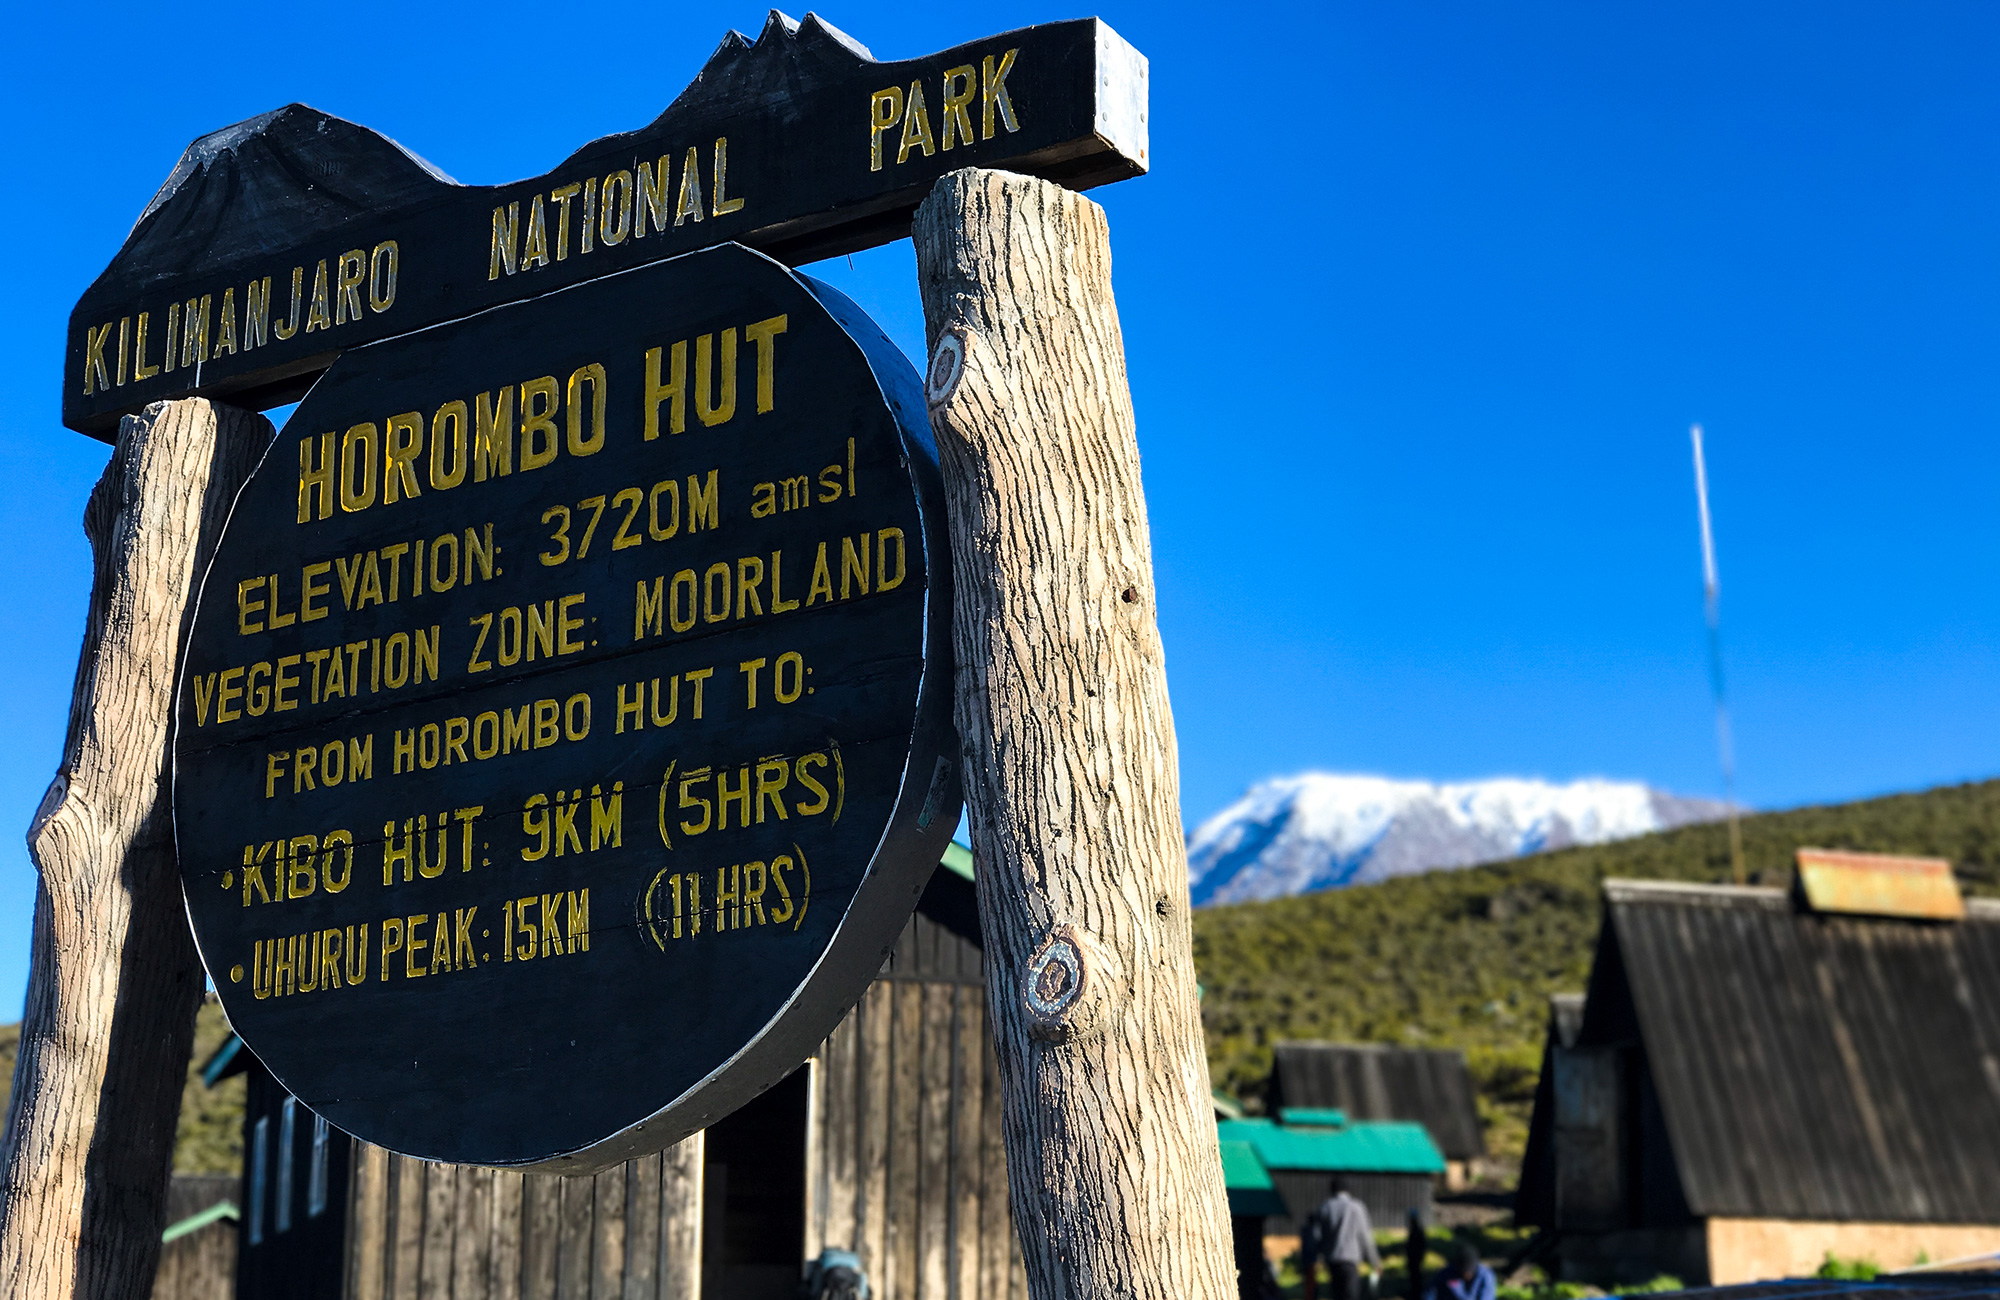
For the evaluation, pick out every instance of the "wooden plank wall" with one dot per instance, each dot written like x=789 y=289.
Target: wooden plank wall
x=422 y=1231
x=905 y=1166
x=909 y=1170
x=199 y=1265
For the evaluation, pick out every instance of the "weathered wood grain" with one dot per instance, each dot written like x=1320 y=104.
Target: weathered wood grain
x=113 y=979
x=407 y=1221
x=934 y=1147
x=508 y=1209
x=841 y=1133
x=681 y=1218
x=877 y=1024
x=996 y=1227
x=607 y=1234
x=968 y=1042
x=472 y=1235
x=905 y=1134
x=642 y=1229
x=368 y=1227
x=573 y=1246
x=440 y=1220
x=541 y=1230
x=1071 y=767
x=199 y=1266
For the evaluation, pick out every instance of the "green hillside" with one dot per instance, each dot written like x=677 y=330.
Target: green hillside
x=1468 y=958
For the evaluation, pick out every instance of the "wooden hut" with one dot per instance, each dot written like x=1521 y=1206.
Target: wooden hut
x=886 y=1142
x=1758 y=1078
x=1388 y=1165
x=198 y=1248
x=1370 y=1081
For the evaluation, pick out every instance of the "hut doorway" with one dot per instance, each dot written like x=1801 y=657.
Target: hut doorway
x=754 y=1194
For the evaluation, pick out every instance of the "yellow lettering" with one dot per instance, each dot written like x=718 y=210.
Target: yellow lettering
x=593 y=375
x=993 y=94
x=955 y=124
x=539 y=400
x=916 y=125
x=316 y=481
x=403 y=443
x=764 y=334
x=674 y=390
x=885 y=109
x=712 y=412
x=245 y=606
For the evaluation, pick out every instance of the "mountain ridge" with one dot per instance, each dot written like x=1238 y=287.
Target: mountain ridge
x=1312 y=831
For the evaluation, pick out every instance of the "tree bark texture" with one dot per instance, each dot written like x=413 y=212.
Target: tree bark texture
x=1071 y=768
x=114 y=980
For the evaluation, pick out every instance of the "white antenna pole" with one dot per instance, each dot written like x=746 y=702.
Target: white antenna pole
x=1712 y=601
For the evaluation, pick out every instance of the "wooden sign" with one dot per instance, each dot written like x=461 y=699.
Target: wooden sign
x=564 y=733
x=282 y=241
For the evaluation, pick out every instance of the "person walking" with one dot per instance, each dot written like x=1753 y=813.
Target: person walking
x=1340 y=1233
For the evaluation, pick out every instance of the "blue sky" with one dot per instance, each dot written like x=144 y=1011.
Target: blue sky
x=1419 y=300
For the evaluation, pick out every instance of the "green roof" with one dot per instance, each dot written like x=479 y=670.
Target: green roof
x=957 y=860
x=196 y=1222
x=1313 y=1116
x=1249 y=1183
x=1362 y=1146
x=1226 y=1106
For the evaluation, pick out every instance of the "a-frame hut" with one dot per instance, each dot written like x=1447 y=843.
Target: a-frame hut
x=1759 y=1078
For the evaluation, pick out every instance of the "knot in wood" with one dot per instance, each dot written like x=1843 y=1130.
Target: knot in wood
x=947 y=367
x=1055 y=977
x=1063 y=987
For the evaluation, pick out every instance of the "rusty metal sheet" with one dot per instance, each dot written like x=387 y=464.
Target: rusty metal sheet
x=1878 y=884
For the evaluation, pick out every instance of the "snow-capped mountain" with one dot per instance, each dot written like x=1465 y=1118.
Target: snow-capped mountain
x=1298 y=834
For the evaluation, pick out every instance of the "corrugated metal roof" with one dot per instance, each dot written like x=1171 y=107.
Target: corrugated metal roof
x=1386 y=1147
x=1810 y=1066
x=1373 y=1082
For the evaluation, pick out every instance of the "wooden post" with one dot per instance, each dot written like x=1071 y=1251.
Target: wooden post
x=681 y=1209
x=1071 y=771
x=114 y=980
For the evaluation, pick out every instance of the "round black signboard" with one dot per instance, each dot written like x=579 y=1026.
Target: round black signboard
x=565 y=729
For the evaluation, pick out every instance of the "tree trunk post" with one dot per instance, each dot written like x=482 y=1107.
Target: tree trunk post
x=114 y=980
x=1071 y=770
